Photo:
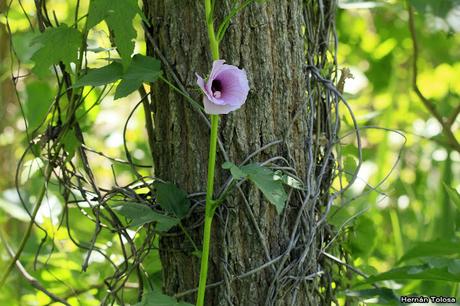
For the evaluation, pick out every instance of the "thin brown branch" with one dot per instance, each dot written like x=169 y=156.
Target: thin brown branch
x=29 y=278
x=429 y=105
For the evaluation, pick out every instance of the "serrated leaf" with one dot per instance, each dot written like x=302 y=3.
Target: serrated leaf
x=101 y=76
x=58 y=44
x=172 y=199
x=119 y=15
x=141 y=214
x=234 y=170
x=432 y=248
x=142 y=69
x=264 y=179
x=156 y=298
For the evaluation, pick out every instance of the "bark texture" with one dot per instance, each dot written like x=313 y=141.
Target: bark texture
x=268 y=41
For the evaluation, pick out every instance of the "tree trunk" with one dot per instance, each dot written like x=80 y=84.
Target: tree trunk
x=267 y=40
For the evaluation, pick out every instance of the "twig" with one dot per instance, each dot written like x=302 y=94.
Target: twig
x=429 y=105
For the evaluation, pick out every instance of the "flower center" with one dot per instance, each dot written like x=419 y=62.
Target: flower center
x=216 y=88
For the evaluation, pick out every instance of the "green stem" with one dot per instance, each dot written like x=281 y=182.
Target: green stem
x=40 y=197
x=210 y=204
x=210 y=208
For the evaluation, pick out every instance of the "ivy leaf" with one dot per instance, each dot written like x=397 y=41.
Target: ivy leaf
x=270 y=183
x=156 y=298
x=101 y=76
x=141 y=214
x=272 y=188
x=119 y=15
x=56 y=45
x=142 y=69
x=234 y=170
x=172 y=199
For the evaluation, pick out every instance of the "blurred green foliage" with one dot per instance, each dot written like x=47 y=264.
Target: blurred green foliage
x=398 y=224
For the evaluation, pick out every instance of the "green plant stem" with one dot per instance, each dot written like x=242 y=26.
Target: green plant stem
x=210 y=204
x=209 y=211
x=26 y=237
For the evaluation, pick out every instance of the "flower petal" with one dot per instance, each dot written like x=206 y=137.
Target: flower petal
x=214 y=109
x=235 y=87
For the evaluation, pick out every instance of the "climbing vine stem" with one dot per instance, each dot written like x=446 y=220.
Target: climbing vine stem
x=210 y=204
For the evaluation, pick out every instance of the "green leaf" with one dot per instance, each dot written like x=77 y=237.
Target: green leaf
x=141 y=214
x=272 y=188
x=30 y=168
x=364 y=236
x=383 y=295
x=101 y=76
x=142 y=69
x=234 y=170
x=438 y=8
x=446 y=272
x=270 y=183
x=172 y=199
x=39 y=100
x=453 y=195
x=58 y=44
x=156 y=298
x=11 y=204
x=119 y=15
x=288 y=180
x=70 y=142
x=432 y=248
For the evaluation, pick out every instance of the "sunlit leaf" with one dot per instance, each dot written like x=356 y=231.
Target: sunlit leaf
x=119 y=15
x=59 y=44
x=142 y=69
x=101 y=76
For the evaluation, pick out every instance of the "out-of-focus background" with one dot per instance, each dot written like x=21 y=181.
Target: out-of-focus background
x=405 y=193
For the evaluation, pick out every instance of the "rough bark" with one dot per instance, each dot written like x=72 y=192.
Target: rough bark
x=266 y=40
